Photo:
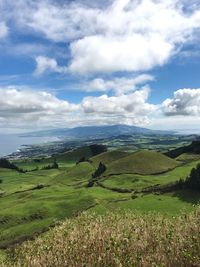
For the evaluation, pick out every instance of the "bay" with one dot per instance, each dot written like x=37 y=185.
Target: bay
x=11 y=143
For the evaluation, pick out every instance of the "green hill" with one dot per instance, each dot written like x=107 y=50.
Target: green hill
x=78 y=174
x=142 y=162
x=78 y=153
x=188 y=157
x=64 y=159
x=108 y=157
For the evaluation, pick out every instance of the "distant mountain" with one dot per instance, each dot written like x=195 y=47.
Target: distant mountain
x=91 y=132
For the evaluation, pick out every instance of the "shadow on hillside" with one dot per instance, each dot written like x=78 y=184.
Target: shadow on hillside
x=188 y=196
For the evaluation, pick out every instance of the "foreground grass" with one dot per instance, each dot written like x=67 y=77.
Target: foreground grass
x=115 y=240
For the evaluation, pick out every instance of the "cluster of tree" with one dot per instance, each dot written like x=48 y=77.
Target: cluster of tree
x=98 y=172
x=4 y=163
x=101 y=169
x=193 y=180
x=53 y=165
x=97 y=149
x=194 y=147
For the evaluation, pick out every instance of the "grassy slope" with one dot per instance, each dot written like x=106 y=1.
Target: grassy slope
x=126 y=240
x=168 y=204
x=75 y=155
x=77 y=174
x=108 y=157
x=188 y=157
x=141 y=181
x=66 y=159
x=27 y=212
x=142 y=162
x=23 y=214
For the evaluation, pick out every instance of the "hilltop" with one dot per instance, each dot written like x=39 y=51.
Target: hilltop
x=142 y=162
x=108 y=157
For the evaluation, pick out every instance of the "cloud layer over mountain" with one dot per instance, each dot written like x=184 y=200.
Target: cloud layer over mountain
x=105 y=55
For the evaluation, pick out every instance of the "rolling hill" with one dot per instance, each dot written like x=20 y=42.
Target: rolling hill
x=75 y=175
x=142 y=162
x=108 y=157
x=78 y=153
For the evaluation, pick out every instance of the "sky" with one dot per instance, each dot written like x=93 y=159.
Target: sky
x=68 y=63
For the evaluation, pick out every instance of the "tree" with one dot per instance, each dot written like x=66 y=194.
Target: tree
x=193 y=181
x=4 y=163
x=101 y=169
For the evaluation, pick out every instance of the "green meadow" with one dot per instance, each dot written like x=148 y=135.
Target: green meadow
x=33 y=201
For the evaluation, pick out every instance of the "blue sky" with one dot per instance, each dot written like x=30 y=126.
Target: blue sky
x=72 y=63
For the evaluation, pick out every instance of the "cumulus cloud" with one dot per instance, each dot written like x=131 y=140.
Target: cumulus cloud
x=134 y=36
x=185 y=102
x=99 y=54
x=46 y=64
x=28 y=107
x=3 y=30
x=122 y=35
x=118 y=85
x=133 y=104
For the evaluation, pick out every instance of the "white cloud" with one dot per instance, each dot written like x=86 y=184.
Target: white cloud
x=3 y=30
x=57 y=22
x=118 y=85
x=123 y=35
x=99 y=54
x=185 y=102
x=30 y=109
x=133 y=104
x=19 y=107
x=134 y=36
x=45 y=64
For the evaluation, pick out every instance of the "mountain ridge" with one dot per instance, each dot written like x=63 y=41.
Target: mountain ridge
x=103 y=131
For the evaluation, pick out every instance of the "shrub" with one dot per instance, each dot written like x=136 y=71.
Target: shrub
x=116 y=239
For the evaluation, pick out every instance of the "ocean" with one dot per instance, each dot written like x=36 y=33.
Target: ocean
x=11 y=143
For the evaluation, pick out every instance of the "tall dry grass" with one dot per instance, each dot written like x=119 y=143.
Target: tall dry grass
x=115 y=240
